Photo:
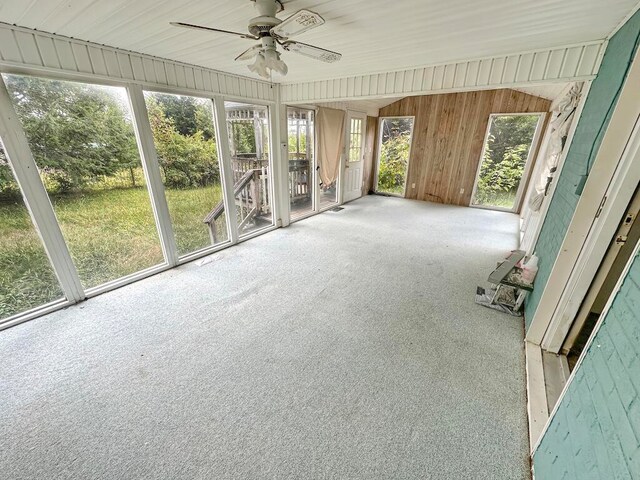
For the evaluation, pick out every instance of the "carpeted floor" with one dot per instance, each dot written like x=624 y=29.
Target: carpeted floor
x=347 y=346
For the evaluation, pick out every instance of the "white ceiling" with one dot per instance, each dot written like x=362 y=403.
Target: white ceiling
x=372 y=35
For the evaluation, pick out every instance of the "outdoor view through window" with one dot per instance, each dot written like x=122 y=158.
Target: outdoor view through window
x=26 y=277
x=184 y=136
x=82 y=139
x=393 y=157
x=504 y=160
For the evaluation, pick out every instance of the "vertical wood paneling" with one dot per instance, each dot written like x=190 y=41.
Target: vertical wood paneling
x=448 y=138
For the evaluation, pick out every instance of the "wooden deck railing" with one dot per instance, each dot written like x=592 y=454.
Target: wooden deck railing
x=299 y=179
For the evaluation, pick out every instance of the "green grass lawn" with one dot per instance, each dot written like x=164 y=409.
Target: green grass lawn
x=496 y=199
x=110 y=234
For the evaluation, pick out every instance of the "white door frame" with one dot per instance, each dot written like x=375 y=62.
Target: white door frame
x=379 y=148
x=527 y=166
x=601 y=320
x=345 y=154
x=602 y=204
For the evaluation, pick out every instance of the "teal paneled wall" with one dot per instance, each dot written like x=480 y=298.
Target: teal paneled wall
x=596 y=114
x=595 y=433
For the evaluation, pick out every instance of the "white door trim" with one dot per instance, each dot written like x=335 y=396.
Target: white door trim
x=618 y=196
x=345 y=155
x=601 y=320
x=553 y=313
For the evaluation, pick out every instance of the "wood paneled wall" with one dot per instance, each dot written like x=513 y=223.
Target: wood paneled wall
x=368 y=173
x=448 y=137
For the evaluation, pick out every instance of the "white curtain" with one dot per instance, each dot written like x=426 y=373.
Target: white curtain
x=330 y=126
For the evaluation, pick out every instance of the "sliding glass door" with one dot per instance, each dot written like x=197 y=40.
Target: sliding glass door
x=394 y=149
x=509 y=145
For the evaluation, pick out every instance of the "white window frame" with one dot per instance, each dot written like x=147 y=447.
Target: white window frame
x=528 y=165
x=379 y=149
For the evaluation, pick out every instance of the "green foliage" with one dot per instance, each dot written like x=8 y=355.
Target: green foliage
x=186 y=160
x=504 y=160
x=110 y=233
x=77 y=132
x=243 y=137
x=394 y=155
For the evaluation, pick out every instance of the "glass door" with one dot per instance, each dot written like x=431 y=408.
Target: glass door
x=300 y=139
x=249 y=145
x=394 y=149
x=509 y=146
x=353 y=168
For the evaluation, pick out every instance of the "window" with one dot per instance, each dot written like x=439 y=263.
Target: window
x=184 y=136
x=248 y=130
x=394 y=149
x=27 y=279
x=83 y=142
x=355 y=140
x=508 y=146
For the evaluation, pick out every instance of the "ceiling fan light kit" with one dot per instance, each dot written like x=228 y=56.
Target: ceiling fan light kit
x=271 y=31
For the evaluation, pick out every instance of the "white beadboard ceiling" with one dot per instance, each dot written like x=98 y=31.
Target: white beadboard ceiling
x=372 y=35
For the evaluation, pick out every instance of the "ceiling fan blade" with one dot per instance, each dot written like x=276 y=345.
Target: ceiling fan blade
x=249 y=53
x=299 y=22
x=310 y=51
x=209 y=29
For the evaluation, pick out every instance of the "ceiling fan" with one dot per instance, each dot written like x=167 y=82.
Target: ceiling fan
x=271 y=32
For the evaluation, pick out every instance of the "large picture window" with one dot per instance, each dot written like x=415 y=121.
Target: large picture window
x=509 y=146
x=184 y=136
x=82 y=139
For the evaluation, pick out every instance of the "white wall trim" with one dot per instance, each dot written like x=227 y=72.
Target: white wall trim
x=619 y=195
x=23 y=50
x=602 y=319
x=601 y=175
x=553 y=65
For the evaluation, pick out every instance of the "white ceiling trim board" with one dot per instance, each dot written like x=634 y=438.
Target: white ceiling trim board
x=30 y=51
x=553 y=65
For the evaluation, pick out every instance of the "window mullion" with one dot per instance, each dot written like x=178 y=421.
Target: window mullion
x=151 y=168
x=224 y=154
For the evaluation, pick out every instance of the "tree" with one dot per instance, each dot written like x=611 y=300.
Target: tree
x=394 y=154
x=77 y=132
x=186 y=160
x=505 y=157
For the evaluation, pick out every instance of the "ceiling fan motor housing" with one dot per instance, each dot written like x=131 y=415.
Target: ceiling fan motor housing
x=261 y=25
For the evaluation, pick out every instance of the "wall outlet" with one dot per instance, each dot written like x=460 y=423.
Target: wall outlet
x=461 y=191
x=413 y=185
